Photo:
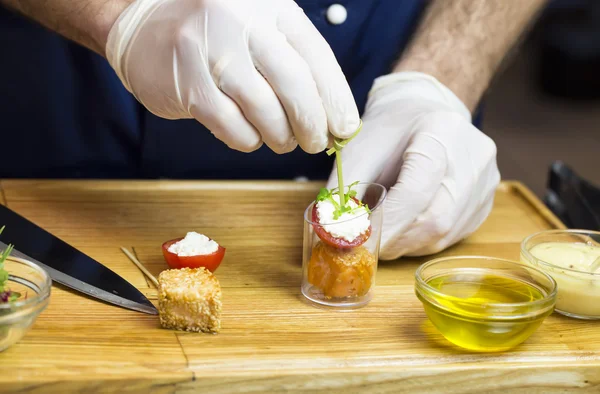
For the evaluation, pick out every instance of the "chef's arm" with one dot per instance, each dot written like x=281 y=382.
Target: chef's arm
x=84 y=21
x=463 y=42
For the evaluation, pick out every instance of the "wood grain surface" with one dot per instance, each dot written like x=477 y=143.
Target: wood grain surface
x=271 y=340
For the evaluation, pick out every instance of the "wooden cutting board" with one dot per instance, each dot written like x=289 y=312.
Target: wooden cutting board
x=271 y=341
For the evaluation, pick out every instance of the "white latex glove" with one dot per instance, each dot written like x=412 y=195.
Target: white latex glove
x=250 y=71
x=418 y=141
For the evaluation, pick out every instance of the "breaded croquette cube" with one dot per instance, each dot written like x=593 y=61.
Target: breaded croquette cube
x=189 y=300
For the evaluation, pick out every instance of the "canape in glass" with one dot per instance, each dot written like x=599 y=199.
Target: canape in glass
x=338 y=271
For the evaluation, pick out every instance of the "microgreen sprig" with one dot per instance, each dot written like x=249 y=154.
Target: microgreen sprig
x=6 y=294
x=338 y=145
x=339 y=210
x=344 y=196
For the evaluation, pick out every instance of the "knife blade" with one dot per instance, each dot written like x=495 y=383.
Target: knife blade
x=67 y=265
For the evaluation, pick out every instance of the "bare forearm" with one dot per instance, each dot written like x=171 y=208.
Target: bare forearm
x=84 y=21
x=463 y=42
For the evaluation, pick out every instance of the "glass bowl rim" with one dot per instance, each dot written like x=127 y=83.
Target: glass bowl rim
x=532 y=258
x=39 y=297
x=377 y=206
x=421 y=283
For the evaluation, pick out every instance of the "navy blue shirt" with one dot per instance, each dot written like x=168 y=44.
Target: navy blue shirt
x=65 y=114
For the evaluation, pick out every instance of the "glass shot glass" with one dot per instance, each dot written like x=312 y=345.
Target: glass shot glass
x=337 y=272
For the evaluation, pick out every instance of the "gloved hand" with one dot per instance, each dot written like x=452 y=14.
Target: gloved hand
x=418 y=141
x=250 y=71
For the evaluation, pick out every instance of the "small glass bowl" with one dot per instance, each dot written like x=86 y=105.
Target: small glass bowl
x=483 y=303
x=342 y=276
x=566 y=260
x=34 y=284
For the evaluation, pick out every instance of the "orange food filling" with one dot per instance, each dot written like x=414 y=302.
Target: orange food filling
x=341 y=272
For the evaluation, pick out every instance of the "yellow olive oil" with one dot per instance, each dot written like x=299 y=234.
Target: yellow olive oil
x=464 y=313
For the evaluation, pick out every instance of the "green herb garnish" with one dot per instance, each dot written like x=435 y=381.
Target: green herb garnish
x=6 y=295
x=338 y=145
x=344 y=196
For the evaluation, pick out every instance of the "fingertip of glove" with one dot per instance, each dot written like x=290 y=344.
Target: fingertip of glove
x=344 y=125
x=317 y=144
x=246 y=147
x=284 y=148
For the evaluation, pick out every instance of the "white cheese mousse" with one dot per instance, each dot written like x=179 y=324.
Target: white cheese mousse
x=194 y=244
x=574 y=272
x=577 y=256
x=349 y=226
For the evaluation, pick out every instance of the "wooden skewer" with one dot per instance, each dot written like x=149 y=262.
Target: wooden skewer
x=140 y=266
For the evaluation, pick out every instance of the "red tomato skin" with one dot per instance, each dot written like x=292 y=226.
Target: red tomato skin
x=333 y=241
x=209 y=261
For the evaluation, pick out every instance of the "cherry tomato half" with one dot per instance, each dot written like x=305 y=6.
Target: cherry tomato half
x=337 y=242
x=209 y=261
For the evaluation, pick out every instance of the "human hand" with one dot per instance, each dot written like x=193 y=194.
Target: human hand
x=418 y=141
x=249 y=71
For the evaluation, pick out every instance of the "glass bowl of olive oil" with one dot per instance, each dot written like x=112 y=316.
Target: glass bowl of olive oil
x=484 y=304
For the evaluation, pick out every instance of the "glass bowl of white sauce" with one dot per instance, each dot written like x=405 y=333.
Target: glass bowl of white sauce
x=572 y=258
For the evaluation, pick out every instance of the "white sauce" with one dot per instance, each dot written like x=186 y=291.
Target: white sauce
x=194 y=244
x=575 y=256
x=349 y=225
x=578 y=292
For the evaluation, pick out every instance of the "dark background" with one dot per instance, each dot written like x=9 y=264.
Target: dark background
x=545 y=103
